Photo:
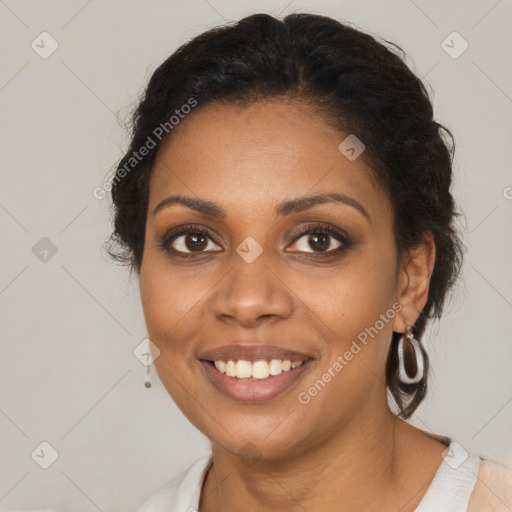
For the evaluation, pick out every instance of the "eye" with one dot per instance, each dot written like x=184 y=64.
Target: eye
x=187 y=241
x=321 y=239
x=318 y=239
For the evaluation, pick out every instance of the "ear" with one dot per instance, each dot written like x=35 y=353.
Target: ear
x=414 y=280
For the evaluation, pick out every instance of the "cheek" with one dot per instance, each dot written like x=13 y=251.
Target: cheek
x=354 y=294
x=350 y=302
x=171 y=311
x=169 y=300
x=356 y=303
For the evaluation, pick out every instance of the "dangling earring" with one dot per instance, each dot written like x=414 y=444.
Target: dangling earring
x=146 y=352
x=418 y=356
x=147 y=383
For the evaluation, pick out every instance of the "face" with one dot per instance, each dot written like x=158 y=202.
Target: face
x=244 y=268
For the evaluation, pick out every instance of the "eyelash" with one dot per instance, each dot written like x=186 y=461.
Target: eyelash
x=309 y=229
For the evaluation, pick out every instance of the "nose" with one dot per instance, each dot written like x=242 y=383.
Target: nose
x=251 y=292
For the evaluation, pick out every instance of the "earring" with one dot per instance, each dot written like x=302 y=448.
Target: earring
x=417 y=361
x=147 y=383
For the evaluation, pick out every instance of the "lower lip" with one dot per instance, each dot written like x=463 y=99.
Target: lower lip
x=257 y=390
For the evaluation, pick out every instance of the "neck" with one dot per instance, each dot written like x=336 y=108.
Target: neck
x=359 y=463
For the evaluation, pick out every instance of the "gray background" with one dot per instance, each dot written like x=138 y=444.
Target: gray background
x=70 y=324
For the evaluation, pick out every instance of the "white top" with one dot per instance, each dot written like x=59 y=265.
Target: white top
x=449 y=491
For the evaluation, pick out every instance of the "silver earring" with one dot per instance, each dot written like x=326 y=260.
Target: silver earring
x=419 y=364
x=147 y=383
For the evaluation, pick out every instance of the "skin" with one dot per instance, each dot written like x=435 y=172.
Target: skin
x=345 y=441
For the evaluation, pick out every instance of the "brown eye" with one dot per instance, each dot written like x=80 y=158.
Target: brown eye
x=317 y=242
x=196 y=241
x=192 y=242
x=321 y=240
x=188 y=241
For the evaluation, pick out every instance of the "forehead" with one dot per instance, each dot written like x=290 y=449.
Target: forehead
x=260 y=152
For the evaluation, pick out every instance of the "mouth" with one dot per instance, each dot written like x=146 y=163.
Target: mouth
x=254 y=373
x=257 y=370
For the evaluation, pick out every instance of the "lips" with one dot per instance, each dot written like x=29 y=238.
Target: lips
x=239 y=385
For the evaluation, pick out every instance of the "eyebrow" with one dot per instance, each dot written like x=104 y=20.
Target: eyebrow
x=283 y=209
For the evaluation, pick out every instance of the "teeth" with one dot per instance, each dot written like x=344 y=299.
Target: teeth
x=262 y=369
x=243 y=369
x=231 y=368
x=276 y=366
x=221 y=366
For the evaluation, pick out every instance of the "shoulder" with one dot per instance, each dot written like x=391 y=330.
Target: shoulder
x=182 y=492
x=493 y=488
x=454 y=481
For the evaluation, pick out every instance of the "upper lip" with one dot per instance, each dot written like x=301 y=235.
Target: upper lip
x=252 y=352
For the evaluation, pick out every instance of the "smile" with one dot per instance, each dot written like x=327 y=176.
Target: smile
x=261 y=369
x=254 y=372
x=251 y=389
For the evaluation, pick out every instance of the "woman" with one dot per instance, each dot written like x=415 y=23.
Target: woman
x=286 y=203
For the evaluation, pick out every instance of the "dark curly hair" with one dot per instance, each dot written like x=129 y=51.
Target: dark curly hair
x=357 y=84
